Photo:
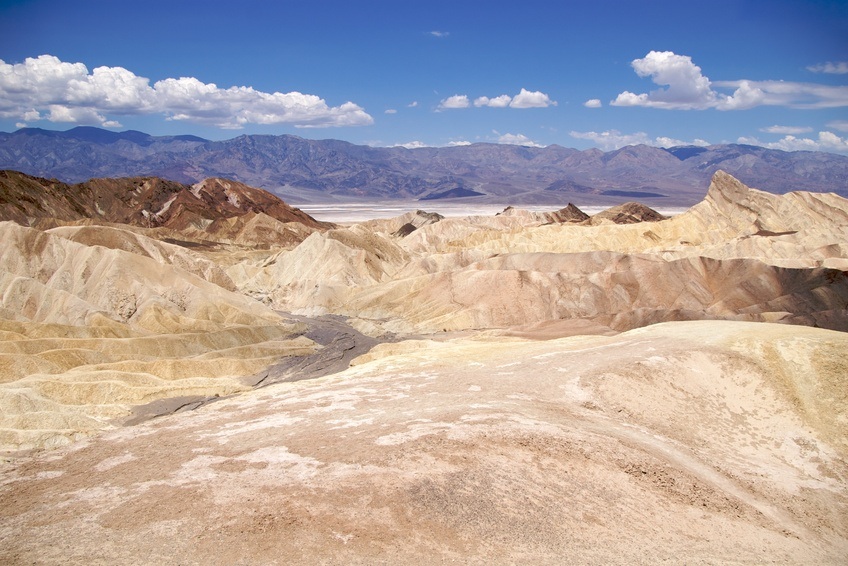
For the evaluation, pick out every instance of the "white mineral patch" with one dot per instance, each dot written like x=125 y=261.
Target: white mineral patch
x=110 y=463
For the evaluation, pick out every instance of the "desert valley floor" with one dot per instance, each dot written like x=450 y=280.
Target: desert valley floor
x=204 y=375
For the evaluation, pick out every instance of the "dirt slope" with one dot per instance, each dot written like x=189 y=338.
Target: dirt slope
x=699 y=443
x=88 y=331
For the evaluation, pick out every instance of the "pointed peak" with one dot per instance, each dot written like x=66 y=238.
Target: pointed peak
x=725 y=186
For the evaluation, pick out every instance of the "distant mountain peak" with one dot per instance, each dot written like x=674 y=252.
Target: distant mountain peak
x=303 y=169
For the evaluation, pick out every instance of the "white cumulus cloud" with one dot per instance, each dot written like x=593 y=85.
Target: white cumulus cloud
x=458 y=143
x=455 y=101
x=613 y=139
x=833 y=68
x=686 y=88
x=112 y=89
x=46 y=88
x=517 y=139
x=593 y=103
x=412 y=145
x=59 y=113
x=501 y=101
x=524 y=99
x=390 y=111
x=825 y=141
x=234 y=107
x=535 y=99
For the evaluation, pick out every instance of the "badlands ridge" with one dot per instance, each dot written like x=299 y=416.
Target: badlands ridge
x=545 y=388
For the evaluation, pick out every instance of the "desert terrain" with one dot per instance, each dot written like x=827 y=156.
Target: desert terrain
x=201 y=374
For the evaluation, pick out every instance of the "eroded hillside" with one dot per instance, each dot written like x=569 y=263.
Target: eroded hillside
x=524 y=406
x=741 y=254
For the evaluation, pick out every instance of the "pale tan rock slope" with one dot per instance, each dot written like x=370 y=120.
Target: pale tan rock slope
x=740 y=254
x=699 y=442
x=88 y=331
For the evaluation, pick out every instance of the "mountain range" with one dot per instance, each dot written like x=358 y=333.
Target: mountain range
x=303 y=170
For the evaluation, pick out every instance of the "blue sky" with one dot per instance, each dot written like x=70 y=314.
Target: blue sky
x=578 y=74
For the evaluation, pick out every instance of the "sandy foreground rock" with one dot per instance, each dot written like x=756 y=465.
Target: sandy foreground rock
x=689 y=442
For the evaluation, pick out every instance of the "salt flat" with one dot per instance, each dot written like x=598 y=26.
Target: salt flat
x=347 y=213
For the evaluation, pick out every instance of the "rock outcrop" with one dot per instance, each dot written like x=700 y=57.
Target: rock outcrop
x=627 y=213
x=204 y=208
x=96 y=320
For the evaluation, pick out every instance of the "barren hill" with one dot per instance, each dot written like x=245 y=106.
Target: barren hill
x=741 y=254
x=546 y=387
x=140 y=201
